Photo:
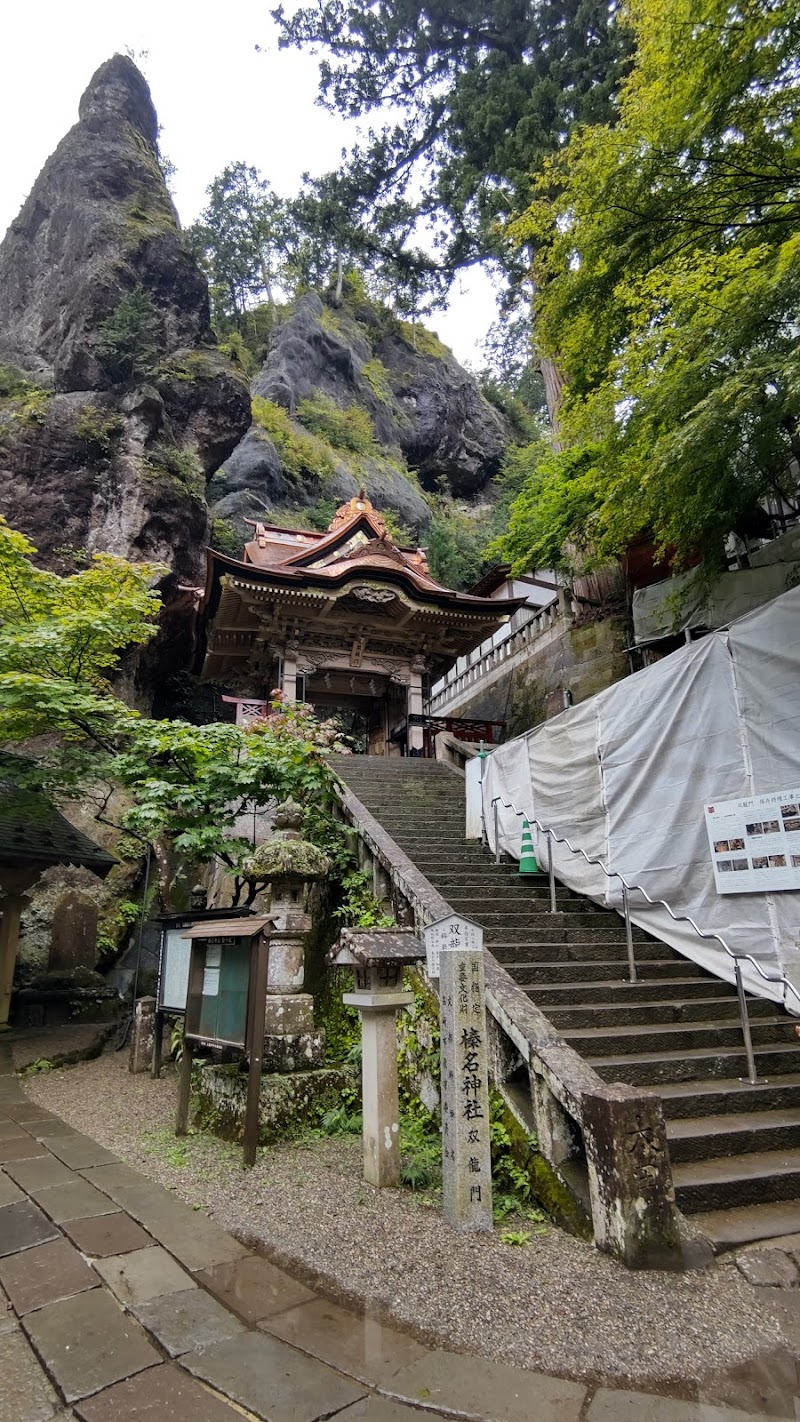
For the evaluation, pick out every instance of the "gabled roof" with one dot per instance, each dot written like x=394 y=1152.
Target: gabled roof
x=33 y=831
x=357 y=543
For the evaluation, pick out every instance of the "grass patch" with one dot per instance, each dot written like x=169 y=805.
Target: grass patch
x=302 y=455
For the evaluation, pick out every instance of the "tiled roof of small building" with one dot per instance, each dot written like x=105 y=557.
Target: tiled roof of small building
x=33 y=831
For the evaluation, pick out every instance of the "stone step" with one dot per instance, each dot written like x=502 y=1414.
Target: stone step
x=519 y=899
x=510 y=947
x=733 y=1228
x=694 y=1064
x=553 y=995
x=602 y=970
x=672 y=1036
x=754 y=1178
x=514 y=921
x=687 y=1099
x=732 y=1133
x=613 y=1014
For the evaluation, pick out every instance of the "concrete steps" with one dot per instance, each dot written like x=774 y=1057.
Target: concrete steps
x=735 y=1148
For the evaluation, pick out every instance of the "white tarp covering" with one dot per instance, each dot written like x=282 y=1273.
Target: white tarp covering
x=626 y=777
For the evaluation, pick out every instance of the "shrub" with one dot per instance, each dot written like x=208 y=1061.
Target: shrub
x=303 y=456
x=97 y=430
x=376 y=376
x=350 y=428
x=129 y=339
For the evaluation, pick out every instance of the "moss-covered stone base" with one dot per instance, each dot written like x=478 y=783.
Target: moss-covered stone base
x=289 y=1104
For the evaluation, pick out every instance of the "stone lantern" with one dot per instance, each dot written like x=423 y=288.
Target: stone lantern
x=290 y=866
x=378 y=957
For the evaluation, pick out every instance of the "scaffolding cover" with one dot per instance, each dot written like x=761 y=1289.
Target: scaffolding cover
x=626 y=776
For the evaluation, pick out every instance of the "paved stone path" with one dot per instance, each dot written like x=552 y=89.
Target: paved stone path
x=119 y=1302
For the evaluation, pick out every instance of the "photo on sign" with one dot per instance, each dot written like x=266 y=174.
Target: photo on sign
x=771 y=827
x=755 y=829
x=740 y=864
x=791 y=826
x=796 y=861
x=777 y=861
x=724 y=864
x=735 y=844
x=761 y=862
x=721 y=846
x=788 y=810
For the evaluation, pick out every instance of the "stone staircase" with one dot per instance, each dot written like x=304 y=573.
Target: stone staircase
x=735 y=1148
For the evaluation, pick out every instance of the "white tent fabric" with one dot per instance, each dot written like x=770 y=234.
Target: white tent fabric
x=626 y=777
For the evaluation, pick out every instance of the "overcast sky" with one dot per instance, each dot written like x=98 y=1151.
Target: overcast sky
x=218 y=100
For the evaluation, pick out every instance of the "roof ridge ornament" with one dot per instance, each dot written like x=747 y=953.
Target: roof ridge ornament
x=353 y=509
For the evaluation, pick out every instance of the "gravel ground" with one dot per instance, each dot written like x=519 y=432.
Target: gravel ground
x=555 y=1304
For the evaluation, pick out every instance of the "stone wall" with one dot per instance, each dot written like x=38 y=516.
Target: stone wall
x=579 y=659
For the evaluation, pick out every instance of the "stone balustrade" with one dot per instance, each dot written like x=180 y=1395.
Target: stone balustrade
x=524 y=628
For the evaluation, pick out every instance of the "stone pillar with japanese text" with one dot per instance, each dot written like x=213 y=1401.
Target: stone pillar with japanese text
x=466 y=1155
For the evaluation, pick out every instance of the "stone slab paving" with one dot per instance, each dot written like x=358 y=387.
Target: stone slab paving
x=23 y=1225
x=26 y=1395
x=39 y=1173
x=609 y=1405
x=101 y=1235
x=161 y=1393
x=185 y=1322
x=475 y=1387
x=272 y=1379
x=80 y=1152
x=74 y=1201
x=10 y=1193
x=88 y=1342
x=113 y=1274
x=254 y=1288
x=360 y=1347
x=44 y=1275
x=195 y=1239
x=143 y=1275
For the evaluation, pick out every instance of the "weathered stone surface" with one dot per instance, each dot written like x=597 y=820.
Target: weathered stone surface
x=40 y=1173
x=428 y=415
x=74 y=1201
x=481 y=1388
x=288 y=1053
x=45 y=1274
x=608 y=1406
x=87 y=1343
x=254 y=1288
x=101 y=1235
x=20 y=1148
x=21 y=1226
x=163 y=1392
x=185 y=1321
x=272 y=1379
x=379 y=1409
x=771 y=1268
x=25 y=1394
x=73 y=942
x=80 y=1152
x=9 y=1192
x=196 y=1240
x=142 y=1035
x=357 y=1345
x=143 y=1275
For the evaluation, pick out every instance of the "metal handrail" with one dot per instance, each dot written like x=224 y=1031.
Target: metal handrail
x=738 y=958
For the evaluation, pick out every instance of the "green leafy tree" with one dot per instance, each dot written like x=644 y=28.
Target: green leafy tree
x=669 y=293
x=130 y=338
x=241 y=239
x=482 y=93
x=61 y=638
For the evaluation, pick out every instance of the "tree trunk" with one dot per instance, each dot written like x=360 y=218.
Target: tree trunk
x=554 y=391
x=337 y=300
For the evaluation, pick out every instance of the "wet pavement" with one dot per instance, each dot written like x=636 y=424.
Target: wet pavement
x=117 y=1301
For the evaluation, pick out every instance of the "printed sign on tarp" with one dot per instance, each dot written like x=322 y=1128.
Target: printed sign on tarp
x=755 y=842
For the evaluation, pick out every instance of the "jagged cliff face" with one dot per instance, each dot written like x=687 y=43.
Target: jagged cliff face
x=115 y=405
x=388 y=404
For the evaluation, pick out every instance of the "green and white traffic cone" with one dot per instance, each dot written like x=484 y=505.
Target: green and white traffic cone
x=527 y=855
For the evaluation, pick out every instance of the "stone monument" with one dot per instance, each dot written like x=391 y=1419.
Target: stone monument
x=290 y=866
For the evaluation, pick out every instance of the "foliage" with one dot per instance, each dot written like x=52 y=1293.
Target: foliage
x=513 y=1184
x=350 y=428
x=304 y=456
x=179 y=464
x=129 y=340
x=60 y=638
x=240 y=241
x=376 y=376
x=98 y=431
x=13 y=381
x=669 y=290
x=423 y=341
x=420 y=1149
x=225 y=538
x=480 y=94
x=454 y=546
